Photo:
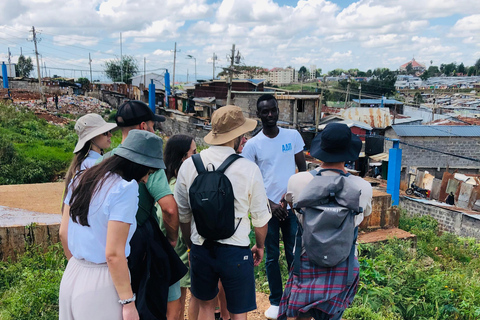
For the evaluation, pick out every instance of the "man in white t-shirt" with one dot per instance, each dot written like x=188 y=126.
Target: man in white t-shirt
x=276 y=151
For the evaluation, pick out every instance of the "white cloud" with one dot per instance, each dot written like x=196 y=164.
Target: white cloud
x=383 y=40
x=75 y=39
x=467 y=27
x=340 y=37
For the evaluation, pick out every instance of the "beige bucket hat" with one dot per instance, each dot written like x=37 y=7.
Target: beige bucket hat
x=228 y=123
x=88 y=127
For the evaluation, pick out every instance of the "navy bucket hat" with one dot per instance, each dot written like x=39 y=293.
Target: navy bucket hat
x=336 y=143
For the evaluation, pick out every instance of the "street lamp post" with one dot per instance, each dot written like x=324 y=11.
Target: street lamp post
x=189 y=56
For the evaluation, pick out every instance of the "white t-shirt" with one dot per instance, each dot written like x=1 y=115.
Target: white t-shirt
x=117 y=200
x=247 y=184
x=276 y=159
x=90 y=160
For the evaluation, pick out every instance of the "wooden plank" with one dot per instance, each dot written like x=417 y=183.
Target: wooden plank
x=443 y=189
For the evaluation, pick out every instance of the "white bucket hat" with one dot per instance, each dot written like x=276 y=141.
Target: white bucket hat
x=88 y=127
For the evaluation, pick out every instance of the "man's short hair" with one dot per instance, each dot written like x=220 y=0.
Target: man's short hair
x=267 y=97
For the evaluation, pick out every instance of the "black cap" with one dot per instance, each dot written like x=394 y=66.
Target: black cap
x=134 y=112
x=336 y=143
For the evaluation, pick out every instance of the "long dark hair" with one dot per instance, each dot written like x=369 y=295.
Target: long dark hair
x=77 y=163
x=176 y=148
x=91 y=181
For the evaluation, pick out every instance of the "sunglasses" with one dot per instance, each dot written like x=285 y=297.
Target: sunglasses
x=107 y=133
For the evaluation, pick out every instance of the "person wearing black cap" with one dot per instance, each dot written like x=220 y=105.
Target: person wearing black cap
x=325 y=294
x=133 y=115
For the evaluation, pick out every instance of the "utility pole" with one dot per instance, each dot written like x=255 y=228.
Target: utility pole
x=317 y=120
x=174 y=61
x=121 y=59
x=90 y=63
x=144 y=72
x=348 y=92
x=38 y=65
x=230 y=78
x=360 y=96
x=213 y=59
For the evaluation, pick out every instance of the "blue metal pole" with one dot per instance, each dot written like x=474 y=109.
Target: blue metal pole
x=166 y=79
x=5 y=75
x=394 y=169
x=151 y=96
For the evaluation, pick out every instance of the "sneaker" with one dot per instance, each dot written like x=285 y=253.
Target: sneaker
x=272 y=313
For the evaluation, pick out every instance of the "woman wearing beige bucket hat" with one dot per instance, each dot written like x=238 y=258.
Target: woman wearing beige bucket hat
x=94 y=135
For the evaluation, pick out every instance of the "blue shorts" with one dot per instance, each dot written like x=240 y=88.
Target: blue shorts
x=174 y=292
x=231 y=264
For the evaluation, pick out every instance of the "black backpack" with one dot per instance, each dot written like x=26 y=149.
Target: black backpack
x=212 y=200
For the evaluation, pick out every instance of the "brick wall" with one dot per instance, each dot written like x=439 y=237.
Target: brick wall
x=449 y=220
x=415 y=157
x=185 y=125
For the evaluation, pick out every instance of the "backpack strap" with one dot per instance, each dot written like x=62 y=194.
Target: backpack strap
x=351 y=259
x=298 y=250
x=335 y=170
x=231 y=158
x=197 y=161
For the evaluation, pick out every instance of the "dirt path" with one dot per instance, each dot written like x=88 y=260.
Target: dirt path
x=47 y=198
x=39 y=197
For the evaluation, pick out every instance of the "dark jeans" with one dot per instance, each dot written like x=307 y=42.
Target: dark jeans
x=272 y=252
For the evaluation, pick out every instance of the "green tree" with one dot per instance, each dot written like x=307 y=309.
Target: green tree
x=114 y=67
x=448 y=69
x=433 y=71
x=24 y=66
x=84 y=82
x=303 y=73
x=425 y=75
x=369 y=73
x=477 y=66
x=471 y=71
x=418 y=98
x=409 y=68
x=461 y=68
x=318 y=72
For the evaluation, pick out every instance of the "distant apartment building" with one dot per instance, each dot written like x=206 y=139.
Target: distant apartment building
x=313 y=72
x=279 y=76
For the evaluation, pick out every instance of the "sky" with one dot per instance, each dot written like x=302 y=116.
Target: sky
x=344 y=34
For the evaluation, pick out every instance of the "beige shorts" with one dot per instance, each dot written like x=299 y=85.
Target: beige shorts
x=87 y=292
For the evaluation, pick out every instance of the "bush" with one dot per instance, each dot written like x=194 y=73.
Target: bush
x=29 y=287
x=32 y=150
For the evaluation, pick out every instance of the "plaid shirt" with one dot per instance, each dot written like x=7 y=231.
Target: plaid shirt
x=317 y=287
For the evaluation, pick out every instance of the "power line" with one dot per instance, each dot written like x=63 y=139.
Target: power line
x=422 y=148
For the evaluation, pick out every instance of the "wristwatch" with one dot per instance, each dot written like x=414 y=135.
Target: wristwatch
x=127 y=301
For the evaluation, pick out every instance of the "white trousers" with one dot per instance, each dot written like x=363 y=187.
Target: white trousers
x=87 y=292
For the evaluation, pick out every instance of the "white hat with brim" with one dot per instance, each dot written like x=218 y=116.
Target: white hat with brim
x=88 y=127
x=228 y=123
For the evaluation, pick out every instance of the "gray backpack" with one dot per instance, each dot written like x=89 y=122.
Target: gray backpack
x=329 y=205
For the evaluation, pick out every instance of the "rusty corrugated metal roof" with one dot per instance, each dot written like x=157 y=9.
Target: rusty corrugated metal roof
x=374 y=117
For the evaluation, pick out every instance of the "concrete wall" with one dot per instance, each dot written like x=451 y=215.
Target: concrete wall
x=449 y=220
x=415 y=157
x=175 y=124
x=287 y=107
x=14 y=239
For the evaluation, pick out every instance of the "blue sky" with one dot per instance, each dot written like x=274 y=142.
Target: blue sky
x=328 y=34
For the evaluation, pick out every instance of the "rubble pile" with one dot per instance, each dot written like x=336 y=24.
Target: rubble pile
x=67 y=104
